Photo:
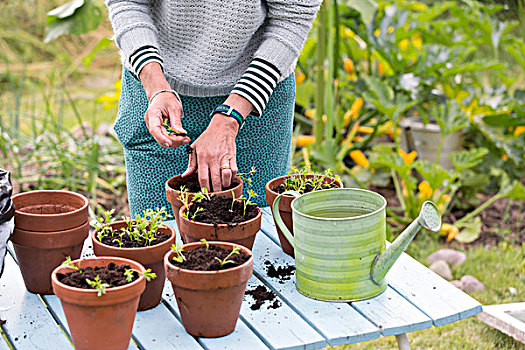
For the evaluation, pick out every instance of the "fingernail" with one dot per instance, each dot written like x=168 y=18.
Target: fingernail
x=167 y=144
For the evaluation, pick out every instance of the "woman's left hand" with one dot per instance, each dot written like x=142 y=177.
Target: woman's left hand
x=214 y=151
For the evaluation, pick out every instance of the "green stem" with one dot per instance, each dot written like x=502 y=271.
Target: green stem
x=399 y=192
x=478 y=210
x=397 y=217
x=352 y=175
x=321 y=55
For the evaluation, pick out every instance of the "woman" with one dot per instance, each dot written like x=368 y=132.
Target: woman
x=231 y=62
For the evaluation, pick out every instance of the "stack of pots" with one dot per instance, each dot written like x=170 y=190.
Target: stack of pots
x=49 y=226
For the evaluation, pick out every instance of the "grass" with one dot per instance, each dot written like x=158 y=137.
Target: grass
x=498 y=268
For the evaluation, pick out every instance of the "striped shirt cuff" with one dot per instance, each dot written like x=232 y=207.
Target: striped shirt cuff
x=143 y=56
x=257 y=83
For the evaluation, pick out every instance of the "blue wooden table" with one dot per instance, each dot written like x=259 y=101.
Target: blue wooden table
x=415 y=299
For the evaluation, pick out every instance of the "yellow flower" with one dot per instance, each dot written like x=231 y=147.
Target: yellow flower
x=380 y=68
x=452 y=233
x=353 y=112
x=349 y=65
x=365 y=129
x=310 y=113
x=377 y=32
x=407 y=157
x=519 y=130
x=445 y=198
x=424 y=189
x=404 y=190
x=348 y=32
x=419 y=7
x=417 y=41
x=504 y=157
x=359 y=158
x=305 y=140
x=299 y=78
x=390 y=30
x=403 y=44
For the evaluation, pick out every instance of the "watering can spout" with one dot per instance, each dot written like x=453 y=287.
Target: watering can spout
x=429 y=218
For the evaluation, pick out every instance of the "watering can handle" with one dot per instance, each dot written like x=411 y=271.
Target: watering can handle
x=277 y=215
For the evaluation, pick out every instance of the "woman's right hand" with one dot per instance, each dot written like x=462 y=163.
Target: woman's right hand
x=164 y=106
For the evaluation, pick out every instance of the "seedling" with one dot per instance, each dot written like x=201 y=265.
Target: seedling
x=246 y=202
x=106 y=220
x=170 y=130
x=178 y=249
x=184 y=197
x=199 y=209
x=148 y=275
x=246 y=177
x=300 y=178
x=69 y=263
x=203 y=194
x=98 y=285
x=203 y=240
x=223 y=262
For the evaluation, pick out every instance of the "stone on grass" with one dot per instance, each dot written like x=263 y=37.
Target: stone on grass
x=471 y=284
x=457 y=284
x=441 y=268
x=451 y=256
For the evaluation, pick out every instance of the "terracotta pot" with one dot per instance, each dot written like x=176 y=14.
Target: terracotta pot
x=150 y=257
x=50 y=211
x=38 y=253
x=242 y=233
x=172 y=193
x=103 y=322
x=209 y=301
x=285 y=208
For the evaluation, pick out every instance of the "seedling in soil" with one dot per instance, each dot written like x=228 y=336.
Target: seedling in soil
x=98 y=285
x=142 y=228
x=184 y=197
x=178 y=249
x=69 y=263
x=246 y=202
x=205 y=242
x=170 y=130
x=101 y=221
x=223 y=262
x=300 y=179
x=203 y=194
x=196 y=212
x=148 y=275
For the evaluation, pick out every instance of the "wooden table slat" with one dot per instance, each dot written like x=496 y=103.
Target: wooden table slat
x=3 y=344
x=28 y=323
x=433 y=295
x=392 y=313
x=338 y=322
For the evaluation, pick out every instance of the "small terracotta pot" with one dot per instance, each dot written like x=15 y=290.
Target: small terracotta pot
x=50 y=211
x=242 y=233
x=285 y=207
x=209 y=301
x=38 y=253
x=103 y=322
x=172 y=193
x=150 y=257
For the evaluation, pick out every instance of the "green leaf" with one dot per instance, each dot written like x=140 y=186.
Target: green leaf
x=450 y=117
x=503 y=120
x=102 y=44
x=74 y=17
x=433 y=173
x=468 y=159
x=366 y=8
x=514 y=191
x=473 y=66
x=470 y=232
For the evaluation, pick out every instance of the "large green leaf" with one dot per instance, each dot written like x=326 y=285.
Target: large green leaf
x=74 y=17
x=450 y=117
x=470 y=231
x=468 y=159
x=366 y=8
x=102 y=44
x=433 y=173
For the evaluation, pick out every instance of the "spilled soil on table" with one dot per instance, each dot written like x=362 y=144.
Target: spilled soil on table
x=261 y=294
x=283 y=273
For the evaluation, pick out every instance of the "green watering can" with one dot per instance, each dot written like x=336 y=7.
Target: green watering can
x=339 y=243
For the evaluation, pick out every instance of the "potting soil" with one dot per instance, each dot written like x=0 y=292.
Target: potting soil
x=260 y=294
x=192 y=185
x=283 y=273
x=127 y=242
x=203 y=259
x=111 y=274
x=218 y=210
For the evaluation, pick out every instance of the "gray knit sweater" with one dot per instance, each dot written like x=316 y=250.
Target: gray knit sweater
x=214 y=47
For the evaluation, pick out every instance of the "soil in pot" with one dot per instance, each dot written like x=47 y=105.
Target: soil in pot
x=209 y=300
x=219 y=210
x=192 y=185
x=139 y=241
x=310 y=184
x=113 y=275
x=205 y=259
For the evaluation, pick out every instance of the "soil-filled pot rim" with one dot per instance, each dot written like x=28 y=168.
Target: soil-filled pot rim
x=148 y=248
x=185 y=219
x=171 y=189
x=269 y=185
x=116 y=260
x=191 y=246
x=54 y=216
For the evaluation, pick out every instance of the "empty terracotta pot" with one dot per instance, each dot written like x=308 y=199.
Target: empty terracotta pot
x=50 y=211
x=209 y=301
x=285 y=208
x=150 y=257
x=172 y=193
x=39 y=253
x=242 y=233
x=103 y=322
